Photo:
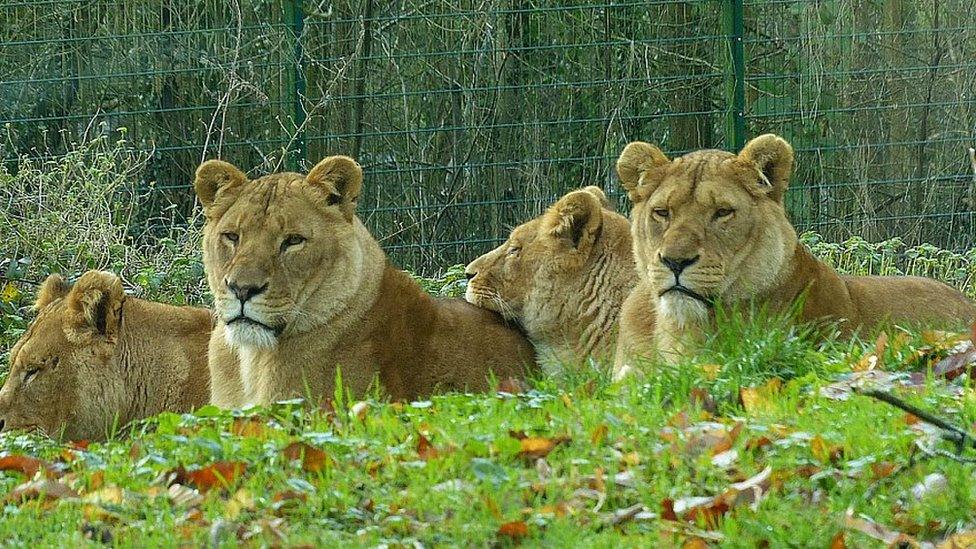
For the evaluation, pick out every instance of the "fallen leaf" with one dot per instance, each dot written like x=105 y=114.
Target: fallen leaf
x=539 y=447
x=694 y=543
x=932 y=484
x=599 y=433
x=313 y=459
x=960 y=540
x=515 y=530
x=883 y=469
x=824 y=452
x=837 y=542
x=699 y=398
x=241 y=501
x=184 y=495
x=512 y=386
x=759 y=399
x=23 y=464
x=955 y=364
x=426 y=450
x=874 y=530
x=45 y=489
x=711 y=371
x=359 y=410
x=249 y=428
x=219 y=474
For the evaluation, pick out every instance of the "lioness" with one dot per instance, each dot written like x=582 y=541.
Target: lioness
x=563 y=276
x=95 y=359
x=300 y=288
x=710 y=227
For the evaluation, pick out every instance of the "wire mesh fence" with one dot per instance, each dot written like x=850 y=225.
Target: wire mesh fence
x=469 y=116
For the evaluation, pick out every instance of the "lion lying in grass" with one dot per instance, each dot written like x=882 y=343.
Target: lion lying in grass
x=95 y=359
x=563 y=276
x=710 y=227
x=302 y=289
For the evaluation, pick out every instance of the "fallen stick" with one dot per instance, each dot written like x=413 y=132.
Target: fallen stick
x=953 y=433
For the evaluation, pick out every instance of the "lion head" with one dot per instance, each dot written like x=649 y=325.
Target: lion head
x=709 y=225
x=562 y=275
x=281 y=252
x=58 y=378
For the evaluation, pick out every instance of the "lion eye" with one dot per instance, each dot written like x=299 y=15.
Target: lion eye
x=31 y=374
x=230 y=237
x=662 y=213
x=292 y=240
x=514 y=250
x=723 y=212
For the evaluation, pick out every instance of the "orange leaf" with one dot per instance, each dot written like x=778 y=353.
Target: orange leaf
x=219 y=474
x=838 y=541
x=599 y=433
x=710 y=371
x=515 y=529
x=79 y=444
x=539 y=447
x=826 y=453
x=426 y=450
x=249 y=428
x=757 y=443
x=757 y=399
x=883 y=469
x=667 y=509
x=313 y=459
x=511 y=386
x=694 y=543
x=23 y=464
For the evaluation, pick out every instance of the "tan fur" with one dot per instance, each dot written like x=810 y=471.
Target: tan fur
x=749 y=255
x=103 y=359
x=563 y=276
x=328 y=298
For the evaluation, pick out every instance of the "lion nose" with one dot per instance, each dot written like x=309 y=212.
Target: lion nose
x=245 y=292
x=678 y=264
x=469 y=275
x=3 y=423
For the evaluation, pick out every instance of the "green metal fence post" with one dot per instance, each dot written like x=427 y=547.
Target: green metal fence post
x=735 y=30
x=295 y=16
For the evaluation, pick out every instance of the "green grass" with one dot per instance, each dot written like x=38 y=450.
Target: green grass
x=376 y=489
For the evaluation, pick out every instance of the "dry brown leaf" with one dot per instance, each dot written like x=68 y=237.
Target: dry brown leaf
x=27 y=465
x=838 y=542
x=42 y=489
x=249 y=428
x=241 y=501
x=599 y=433
x=359 y=410
x=220 y=474
x=759 y=399
x=426 y=450
x=699 y=398
x=961 y=540
x=710 y=371
x=694 y=543
x=539 y=447
x=515 y=530
x=825 y=452
x=874 y=530
x=313 y=459
x=512 y=386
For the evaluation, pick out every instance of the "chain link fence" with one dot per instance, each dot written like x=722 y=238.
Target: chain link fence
x=470 y=116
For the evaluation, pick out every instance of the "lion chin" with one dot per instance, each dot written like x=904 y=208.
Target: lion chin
x=247 y=333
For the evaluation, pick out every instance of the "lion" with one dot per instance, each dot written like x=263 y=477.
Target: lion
x=710 y=227
x=302 y=290
x=562 y=276
x=95 y=360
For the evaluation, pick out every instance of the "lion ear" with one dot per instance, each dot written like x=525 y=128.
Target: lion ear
x=95 y=305
x=54 y=287
x=341 y=178
x=214 y=176
x=576 y=219
x=772 y=157
x=636 y=159
x=600 y=195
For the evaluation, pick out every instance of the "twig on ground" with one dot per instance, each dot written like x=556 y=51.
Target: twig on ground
x=953 y=433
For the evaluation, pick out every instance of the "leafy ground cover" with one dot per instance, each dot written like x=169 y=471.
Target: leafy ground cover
x=760 y=441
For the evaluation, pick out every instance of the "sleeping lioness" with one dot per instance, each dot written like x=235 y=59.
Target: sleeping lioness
x=710 y=227
x=563 y=276
x=95 y=359
x=301 y=288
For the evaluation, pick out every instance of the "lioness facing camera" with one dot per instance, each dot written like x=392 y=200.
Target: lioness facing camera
x=710 y=227
x=301 y=288
x=563 y=276
x=95 y=359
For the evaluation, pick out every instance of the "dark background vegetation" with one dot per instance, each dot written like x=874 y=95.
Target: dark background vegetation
x=469 y=116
